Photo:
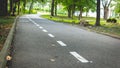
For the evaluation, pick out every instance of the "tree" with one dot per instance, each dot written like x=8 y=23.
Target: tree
x=85 y=6
x=32 y=3
x=52 y=7
x=31 y=6
x=55 y=7
x=98 y=14
x=24 y=5
x=90 y=6
x=106 y=4
x=3 y=7
x=80 y=5
x=11 y=7
x=117 y=7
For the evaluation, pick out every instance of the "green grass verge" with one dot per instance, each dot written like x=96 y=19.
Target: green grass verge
x=75 y=20
x=5 y=26
x=105 y=27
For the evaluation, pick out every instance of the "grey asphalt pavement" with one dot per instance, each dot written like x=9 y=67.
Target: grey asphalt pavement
x=41 y=43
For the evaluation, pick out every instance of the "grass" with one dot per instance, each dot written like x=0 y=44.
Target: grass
x=109 y=28
x=5 y=26
x=75 y=20
x=62 y=19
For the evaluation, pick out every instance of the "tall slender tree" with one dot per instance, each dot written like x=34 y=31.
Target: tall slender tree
x=106 y=4
x=31 y=6
x=55 y=7
x=11 y=7
x=98 y=14
x=3 y=7
x=52 y=7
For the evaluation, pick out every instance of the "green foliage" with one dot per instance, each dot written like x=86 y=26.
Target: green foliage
x=117 y=8
x=62 y=11
x=6 y=20
x=33 y=11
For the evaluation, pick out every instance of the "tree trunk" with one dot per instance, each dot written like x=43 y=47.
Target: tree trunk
x=56 y=8
x=31 y=6
x=69 y=11
x=11 y=7
x=73 y=10
x=87 y=10
x=87 y=14
x=14 y=8
x=81 y=11
x=98 y=14
x=52 y=7
x=18 y=7
x=3 y=7
x=106 y=10
x=24 y=5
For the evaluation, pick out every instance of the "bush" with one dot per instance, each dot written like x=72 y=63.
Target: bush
x=111 y=20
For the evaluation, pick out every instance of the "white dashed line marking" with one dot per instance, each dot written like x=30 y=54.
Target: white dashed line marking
x=44 y=30
x=40 y=27
x=32 y=21
x=80 y=58
x=51 y=35
x=61 y=43
x=37 y=25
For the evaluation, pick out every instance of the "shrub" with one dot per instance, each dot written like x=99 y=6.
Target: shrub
x=111 y=20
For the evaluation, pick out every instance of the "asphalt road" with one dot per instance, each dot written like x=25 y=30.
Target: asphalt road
x=40 y=43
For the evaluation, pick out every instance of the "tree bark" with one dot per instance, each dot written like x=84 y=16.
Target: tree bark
x=18 y=7
x=56 y=8
x=80 y=15
x=98 y=14
x=24 y=5
x=3 y=7
x=106 y=10
x=73 y=10
x=106 y=4
x=69 y=11
x=52 y=7
x=11 y=7
x=87 y=14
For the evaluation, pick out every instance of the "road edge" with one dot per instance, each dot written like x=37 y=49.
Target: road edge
x=5 y=50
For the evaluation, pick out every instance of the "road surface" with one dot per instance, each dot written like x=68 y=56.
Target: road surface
x=40 y=43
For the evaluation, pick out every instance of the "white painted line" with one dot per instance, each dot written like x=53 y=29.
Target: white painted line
x=40 y=27
x=51 y=35
x=61 y=43
x=80 y=58
x=44 y=30
x=37 y=25
x=34 y=22
x=31 y=20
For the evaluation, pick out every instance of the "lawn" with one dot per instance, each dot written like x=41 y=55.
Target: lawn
x=75 y=20
x=109 y=28
x=5 y=25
